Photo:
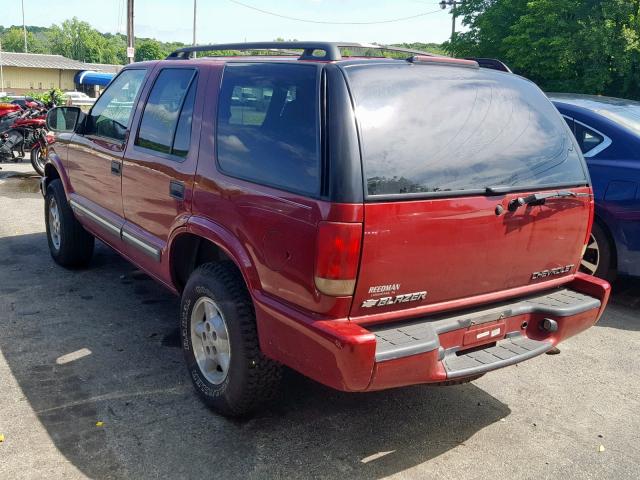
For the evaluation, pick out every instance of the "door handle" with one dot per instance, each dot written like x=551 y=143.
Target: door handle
x=116 y=167
x=176 y=189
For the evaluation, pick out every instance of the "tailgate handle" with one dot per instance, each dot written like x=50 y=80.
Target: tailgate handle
x=176 y=189
x=116 y=167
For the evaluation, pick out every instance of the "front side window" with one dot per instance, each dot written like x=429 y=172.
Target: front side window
x=268 y=125
x=111 y=115
x=166 y=120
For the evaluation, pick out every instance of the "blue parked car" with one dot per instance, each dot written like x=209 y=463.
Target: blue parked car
x=608 y=132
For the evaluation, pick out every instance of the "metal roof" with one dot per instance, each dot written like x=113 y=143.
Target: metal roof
x=38 y=60
x=103 y=67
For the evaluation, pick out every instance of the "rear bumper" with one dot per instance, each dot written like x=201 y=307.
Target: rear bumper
x=350 y=357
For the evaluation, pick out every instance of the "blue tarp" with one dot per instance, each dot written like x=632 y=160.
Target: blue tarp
x=88 y=77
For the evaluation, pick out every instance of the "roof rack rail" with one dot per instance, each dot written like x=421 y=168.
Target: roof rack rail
x=492 y=63
x=331 y=49
x=457 y=62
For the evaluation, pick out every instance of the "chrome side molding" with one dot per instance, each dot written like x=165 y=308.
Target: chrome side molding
x=103 y=222
x=142 y=245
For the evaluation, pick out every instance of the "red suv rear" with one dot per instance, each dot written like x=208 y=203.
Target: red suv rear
x=369 y=222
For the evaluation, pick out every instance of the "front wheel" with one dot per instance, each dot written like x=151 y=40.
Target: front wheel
x=220 y=342
x=38 y=159
x=69 y=243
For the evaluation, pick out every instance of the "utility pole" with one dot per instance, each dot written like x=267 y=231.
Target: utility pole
x=131 y=53
x=1 y=72
x=24 y=29
x=194 y=27
x=453 y=4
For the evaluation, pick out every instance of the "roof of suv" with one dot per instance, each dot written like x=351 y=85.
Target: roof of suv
x=307 y=52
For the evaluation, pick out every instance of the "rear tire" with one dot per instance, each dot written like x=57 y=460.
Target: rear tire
x=219 y=339
x=598 y=257
x=37 y=161
x=69 y=243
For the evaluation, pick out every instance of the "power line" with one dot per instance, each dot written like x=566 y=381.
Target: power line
x=326 y=22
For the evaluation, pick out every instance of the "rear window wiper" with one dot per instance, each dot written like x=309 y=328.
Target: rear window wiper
x=541 y=198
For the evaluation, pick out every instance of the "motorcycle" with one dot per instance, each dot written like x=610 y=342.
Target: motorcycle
x=9 y=113
x=27 y=132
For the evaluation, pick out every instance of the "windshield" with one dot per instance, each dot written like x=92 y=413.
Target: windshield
x=428 y=129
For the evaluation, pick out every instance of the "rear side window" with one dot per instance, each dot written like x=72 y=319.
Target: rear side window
x=111 y=114
x=430 y=129
x=166 y=121
x=588 y=139
x=268 y=128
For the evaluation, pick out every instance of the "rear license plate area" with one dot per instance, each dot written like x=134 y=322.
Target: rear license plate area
x=479 y=335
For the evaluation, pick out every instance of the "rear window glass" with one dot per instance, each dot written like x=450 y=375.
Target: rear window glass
x=428 y=129
x=587 y=138
x=268 y=129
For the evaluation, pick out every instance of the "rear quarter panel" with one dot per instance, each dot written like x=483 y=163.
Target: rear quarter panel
x=276 y=230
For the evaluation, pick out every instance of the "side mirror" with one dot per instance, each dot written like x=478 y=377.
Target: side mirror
x=64 y=119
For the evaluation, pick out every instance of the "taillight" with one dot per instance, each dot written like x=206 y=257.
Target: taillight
x=590 y=225
x=337 y=257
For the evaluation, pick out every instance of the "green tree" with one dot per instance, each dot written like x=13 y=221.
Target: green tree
x=13 y=41
x=78 y=40
x=150 y=49
x=587 y=46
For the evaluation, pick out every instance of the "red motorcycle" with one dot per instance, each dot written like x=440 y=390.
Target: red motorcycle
x=27 y=132
x=9 y=113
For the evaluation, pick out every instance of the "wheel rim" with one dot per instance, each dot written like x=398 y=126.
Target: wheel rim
x=40 y=158
x=591 y=258
x=54 y=223
x=210 y=340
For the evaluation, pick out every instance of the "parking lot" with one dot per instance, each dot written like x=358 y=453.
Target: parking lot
x=101 y=345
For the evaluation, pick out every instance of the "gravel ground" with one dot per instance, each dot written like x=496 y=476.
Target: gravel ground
x=101 y=345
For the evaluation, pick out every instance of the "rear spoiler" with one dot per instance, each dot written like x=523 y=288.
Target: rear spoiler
x=491 y=63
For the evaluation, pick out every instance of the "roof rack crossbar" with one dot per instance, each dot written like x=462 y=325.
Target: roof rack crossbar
x=310 y=49
x=331 y=51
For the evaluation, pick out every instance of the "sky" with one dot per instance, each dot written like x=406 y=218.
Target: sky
x=221 y=21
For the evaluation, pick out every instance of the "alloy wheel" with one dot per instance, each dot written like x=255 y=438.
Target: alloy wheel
x=210 y=340
x=54 y=223
x=41 y=158
x=591 y=258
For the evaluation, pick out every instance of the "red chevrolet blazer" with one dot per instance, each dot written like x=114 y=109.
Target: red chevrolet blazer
x=368 y=222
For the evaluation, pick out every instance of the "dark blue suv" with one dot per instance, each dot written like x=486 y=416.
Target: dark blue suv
x=608 y=132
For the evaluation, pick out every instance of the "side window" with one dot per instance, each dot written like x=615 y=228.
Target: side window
x=182 y=138
x=166 y=120
x=570 y=122
x=111 y=114
x=249 y=105
x=587 y=138
x=268 y=127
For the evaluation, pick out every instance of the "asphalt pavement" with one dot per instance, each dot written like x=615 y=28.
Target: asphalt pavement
x=92 y=385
